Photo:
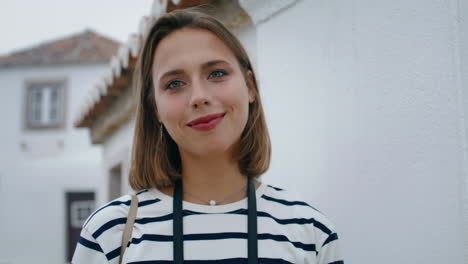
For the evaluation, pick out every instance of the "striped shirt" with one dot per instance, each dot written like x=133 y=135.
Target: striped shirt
x=289 y=231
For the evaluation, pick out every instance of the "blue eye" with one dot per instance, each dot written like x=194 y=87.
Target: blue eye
x=173 y=84
x=217 y=74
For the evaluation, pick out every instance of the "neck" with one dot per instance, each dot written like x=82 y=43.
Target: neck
x=211 y=178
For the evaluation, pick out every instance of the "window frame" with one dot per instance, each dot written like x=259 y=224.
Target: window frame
x=28 y=123
x=80 y=210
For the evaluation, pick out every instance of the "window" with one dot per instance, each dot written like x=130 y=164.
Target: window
x=79 y=212
x=45 y=107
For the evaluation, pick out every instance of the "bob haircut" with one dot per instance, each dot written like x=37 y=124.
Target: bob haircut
x=155 y=161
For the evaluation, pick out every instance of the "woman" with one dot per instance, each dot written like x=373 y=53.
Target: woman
x=201 y=136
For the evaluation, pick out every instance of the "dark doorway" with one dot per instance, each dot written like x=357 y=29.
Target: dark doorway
x=79 y=206
x=115 y=182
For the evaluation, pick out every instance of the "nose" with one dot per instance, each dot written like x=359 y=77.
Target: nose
x=200 y=95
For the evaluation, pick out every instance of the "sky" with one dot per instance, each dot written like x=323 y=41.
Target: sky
x=24 y=24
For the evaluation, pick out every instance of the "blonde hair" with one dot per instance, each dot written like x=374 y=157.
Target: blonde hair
x=156 y=160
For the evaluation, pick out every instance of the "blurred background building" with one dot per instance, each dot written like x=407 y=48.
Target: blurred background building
x=367 y=105
x=49 y=170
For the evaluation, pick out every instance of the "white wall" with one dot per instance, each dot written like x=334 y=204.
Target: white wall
x=33 y=182
x=116 y=150
x=460 y=12
x=362 y=100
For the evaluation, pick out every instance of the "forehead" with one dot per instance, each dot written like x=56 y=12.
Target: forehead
x=189 y=47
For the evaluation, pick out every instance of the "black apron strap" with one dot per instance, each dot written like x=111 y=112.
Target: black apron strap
x=252 y=250
x=178 y=224
x=251 y=224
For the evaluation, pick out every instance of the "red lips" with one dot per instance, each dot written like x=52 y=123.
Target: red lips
x=206 y=123
x=204 y=119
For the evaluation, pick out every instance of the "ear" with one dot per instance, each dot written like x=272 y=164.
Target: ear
x=250 y=85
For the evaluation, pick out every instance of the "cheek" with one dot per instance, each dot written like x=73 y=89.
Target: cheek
x=235 y=92
x=235 y=101
x=169 y=111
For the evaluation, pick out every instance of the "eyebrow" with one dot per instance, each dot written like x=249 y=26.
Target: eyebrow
x=204 y=66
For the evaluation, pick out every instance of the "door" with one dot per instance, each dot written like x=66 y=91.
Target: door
x=79 y=206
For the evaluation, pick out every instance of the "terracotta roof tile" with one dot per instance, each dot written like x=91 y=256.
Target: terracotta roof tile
x=84 y=47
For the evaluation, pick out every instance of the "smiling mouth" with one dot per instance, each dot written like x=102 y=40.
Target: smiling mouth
x=205 y=119
x=206 y=123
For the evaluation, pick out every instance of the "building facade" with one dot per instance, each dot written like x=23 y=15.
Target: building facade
x=48 y=168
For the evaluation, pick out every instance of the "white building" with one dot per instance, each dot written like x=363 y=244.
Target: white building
x=48 y=168
x=367 y=108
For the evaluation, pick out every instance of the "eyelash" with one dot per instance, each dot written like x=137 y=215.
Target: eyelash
x=170 y=83
x=224 y=73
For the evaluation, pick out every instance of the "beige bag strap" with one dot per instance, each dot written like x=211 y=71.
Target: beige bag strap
x=127 y=234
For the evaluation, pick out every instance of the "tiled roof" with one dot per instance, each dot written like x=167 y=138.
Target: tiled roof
x=84 y=47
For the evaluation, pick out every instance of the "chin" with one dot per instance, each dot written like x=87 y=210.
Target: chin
x=211 y=149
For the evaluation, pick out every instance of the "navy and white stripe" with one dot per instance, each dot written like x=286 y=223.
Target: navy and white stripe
x=289 y=231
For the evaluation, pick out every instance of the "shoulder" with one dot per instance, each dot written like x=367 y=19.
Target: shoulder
x=290 y=201
x=111 y=216
x=102 y=232
x=285 y=204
